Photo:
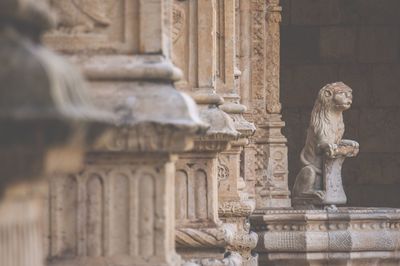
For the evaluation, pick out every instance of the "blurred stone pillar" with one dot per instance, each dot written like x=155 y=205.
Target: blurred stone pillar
x=259 y=62
x=119 y=209
x=46 y=120
x=235 y=206
x=209 y=65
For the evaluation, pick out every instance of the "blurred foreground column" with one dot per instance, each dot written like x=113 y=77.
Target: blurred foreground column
x=44 y=120
x=119 y=209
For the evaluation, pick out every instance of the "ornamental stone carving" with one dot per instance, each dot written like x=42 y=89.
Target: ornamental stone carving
x=346 y=236
x=82 y=16
x=319 y=182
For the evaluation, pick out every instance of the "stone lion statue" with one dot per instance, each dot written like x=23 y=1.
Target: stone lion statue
x=324 y=139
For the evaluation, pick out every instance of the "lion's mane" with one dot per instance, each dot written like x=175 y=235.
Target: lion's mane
x=323 y=125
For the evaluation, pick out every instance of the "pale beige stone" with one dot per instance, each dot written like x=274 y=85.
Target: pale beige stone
x=346 y=236
x=319 y=181
x=119 y=210
x=213 y=22
x=259 y=63
x=45 y=119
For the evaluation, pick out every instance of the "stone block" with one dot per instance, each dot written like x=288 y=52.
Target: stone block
x=308 y=80
x=372 y=12
x=373 y=195
x=315 y=12
x=379 y=130
x=385 y=85
x=366 y=168
x=299 y=44
x=286 y=82
x=352 y=123
x=390 y=168
x=337 y=44
x=286 y=6
x=378 y=44
x=296 y=120
x=346 y=236
x=359 y=78
x=295 y=129
x=349 y=12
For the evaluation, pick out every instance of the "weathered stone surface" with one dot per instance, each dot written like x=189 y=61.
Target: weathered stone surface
x=309 y=12
x=119 y=209
x=337 y=44
x=378 y=44
x=371 y=133
x=304 y=50
x=260 y=47
x=317 y=237
x=359 y=77
x=385 y=80
x=307 y=78
x=374 y=84
x=370 y=13
x=319 y=181
x=46 y=120
x=208 y=178
x=374 y=195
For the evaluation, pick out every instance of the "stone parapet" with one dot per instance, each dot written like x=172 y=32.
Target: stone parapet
x=313 y=237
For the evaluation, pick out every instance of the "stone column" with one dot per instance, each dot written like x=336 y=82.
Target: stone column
x=45 y=120
x=207 y=56
x=259 y=59
x=119 y=209
x=235 y=206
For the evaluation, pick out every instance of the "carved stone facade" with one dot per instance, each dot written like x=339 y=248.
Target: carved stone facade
x=46 y=121
x=181 y=159
x=258 y=56
x=119 y=209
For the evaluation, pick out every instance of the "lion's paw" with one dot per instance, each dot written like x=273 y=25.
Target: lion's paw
x=320 y=194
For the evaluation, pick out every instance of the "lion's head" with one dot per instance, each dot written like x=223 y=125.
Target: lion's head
x=332 y=98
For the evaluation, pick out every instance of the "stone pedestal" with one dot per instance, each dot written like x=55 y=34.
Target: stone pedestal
x=272 y=189
x=21 y=224
x=46 y=120
x=346 y=236
x=200 y=234
x=117 y=211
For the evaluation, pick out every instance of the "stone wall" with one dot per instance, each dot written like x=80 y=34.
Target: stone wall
x=357 y=42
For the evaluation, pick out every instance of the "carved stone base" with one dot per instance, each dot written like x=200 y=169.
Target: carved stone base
x=117 y=211
x=346 y=236
x=21 y=226
x=331 y=258
x=201 y=243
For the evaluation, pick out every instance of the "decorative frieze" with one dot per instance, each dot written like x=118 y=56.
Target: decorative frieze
x=115 y=209
x=291 y=236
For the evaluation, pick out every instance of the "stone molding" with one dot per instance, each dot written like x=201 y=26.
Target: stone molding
x=200 y=238
x=223 y=236
x=235 y=209
x=124 y=67
x=343 y=230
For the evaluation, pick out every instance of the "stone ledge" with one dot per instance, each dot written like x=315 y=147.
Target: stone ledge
x=312 y=234
x=337 y=258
